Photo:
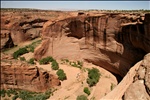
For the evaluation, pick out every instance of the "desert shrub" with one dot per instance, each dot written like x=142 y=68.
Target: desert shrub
x=2 y=93
x=8 y=93
x=61 y=75
x=31 y=48
x=55 y=65
x=24 y=95
x=87 y=91
x=112 y=86
x=15 y=97
x=80 y=64
x=77 y=64
x=39 y=97
x=19 y=52
x=46 y=60
x=82 y=97
x=31 y=61
x=12 y=91
x=27 y=95
x=93 y=76
x=22 y=59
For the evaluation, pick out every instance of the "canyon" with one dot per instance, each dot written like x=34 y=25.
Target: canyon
x=117 y=42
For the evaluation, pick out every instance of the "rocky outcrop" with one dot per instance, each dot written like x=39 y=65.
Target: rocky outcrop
x=19 y=26
x=140 y=88
x=135 y=84
x=113 y=41
x=118 y=92
x=19 y=75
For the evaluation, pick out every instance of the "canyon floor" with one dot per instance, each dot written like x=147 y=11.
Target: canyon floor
x=74 y=85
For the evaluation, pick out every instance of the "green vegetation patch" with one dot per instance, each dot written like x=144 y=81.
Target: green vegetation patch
x=77 y=64
x=112 y=86
x=61 y=75
x=82 y=97
x=55 y=65
x=87 y=91
x=22 y=59
x=26 y=49
x=93 y=76
x=31 y=61
x=46 y=60
x=32 y=46
x=20 y=52
x=26 y=95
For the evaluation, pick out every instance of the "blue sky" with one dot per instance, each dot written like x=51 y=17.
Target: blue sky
x=77 y=5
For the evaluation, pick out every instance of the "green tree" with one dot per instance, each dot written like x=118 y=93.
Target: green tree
x=93 y=76
x=61 y=75
x=55 y=65
x=87 y=91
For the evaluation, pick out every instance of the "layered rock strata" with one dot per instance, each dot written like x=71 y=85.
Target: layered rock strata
x=113 y=41
x=19 y=75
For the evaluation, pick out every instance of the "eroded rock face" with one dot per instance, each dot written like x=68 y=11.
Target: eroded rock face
x=19 y=75
x=136 y=91
x=135 y=85
x=112 y=41
x=20 y=26
x=140 y=88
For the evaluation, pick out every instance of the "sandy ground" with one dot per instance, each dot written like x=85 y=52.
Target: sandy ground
x=76 y=81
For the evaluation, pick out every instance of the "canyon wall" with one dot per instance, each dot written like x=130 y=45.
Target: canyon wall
x=135 y=85
x=113 y=41
x=17 y=28
x=20 y=26
x=19 y=75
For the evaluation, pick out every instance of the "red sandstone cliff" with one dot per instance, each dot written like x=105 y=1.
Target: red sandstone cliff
x=19 y=75
x=112 y=41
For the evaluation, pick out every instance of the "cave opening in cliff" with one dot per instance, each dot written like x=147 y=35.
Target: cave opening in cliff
x=9 y=43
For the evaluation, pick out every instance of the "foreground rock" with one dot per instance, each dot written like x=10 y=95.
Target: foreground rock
x=113 y=41
x=135 y=85
x=22 y=76
x=140 y=88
